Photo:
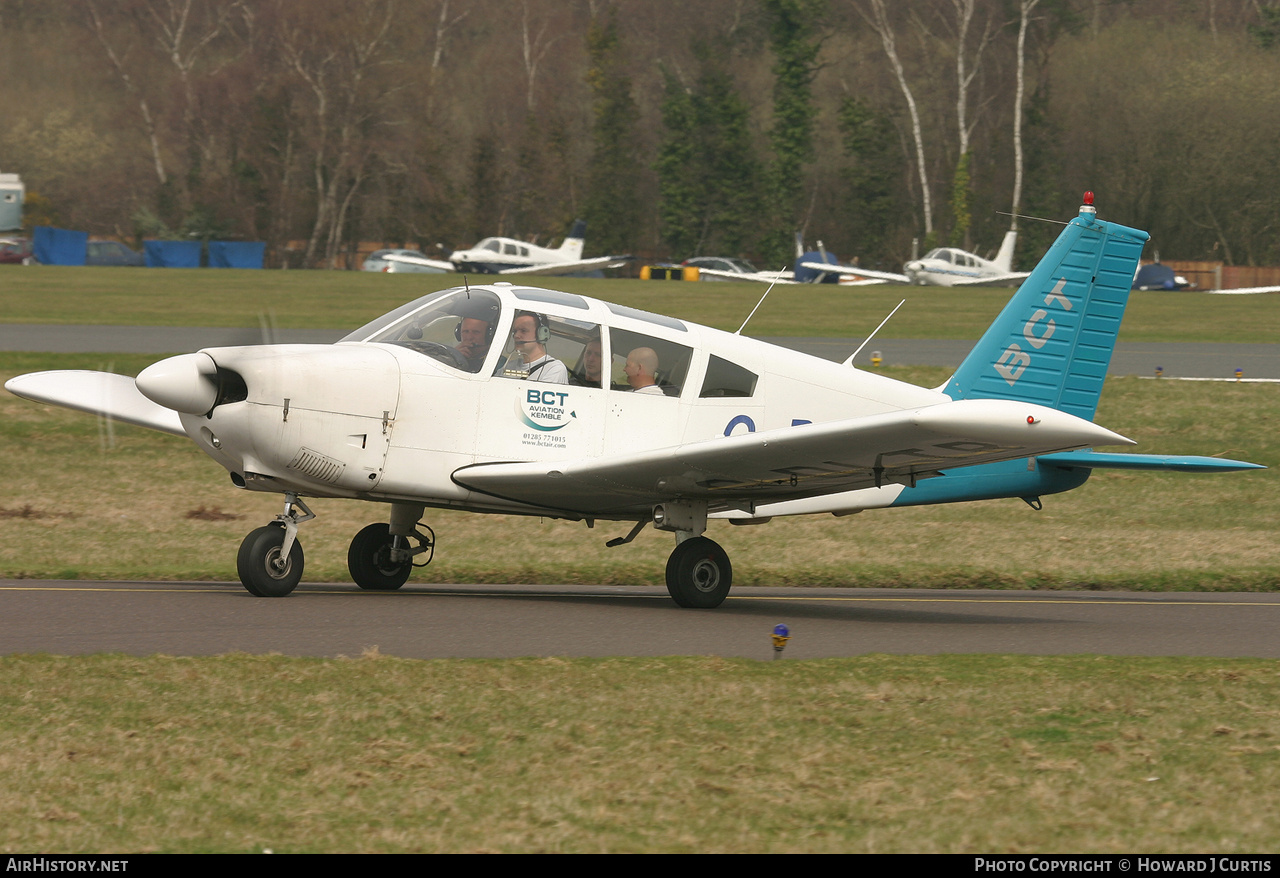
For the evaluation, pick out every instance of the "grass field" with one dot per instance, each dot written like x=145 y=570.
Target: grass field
x=990 y=754
x=348 y=299
x=873 y=754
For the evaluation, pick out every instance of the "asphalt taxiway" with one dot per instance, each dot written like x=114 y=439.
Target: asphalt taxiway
x=508 y=621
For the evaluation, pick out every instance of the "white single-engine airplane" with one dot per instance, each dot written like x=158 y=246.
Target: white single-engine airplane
x=944 y=267
x=510 y=256
x=518 y=400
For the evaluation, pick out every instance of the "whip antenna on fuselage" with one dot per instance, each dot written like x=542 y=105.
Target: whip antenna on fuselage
x=849 y=362
x=758 y=304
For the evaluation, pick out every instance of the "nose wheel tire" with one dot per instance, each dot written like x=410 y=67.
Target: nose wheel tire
x=369 y=560
x=263 y=571
x=699 y=574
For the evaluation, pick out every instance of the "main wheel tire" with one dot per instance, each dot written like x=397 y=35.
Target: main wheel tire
x=699 y=574
x=258 y=563
x=369 y=560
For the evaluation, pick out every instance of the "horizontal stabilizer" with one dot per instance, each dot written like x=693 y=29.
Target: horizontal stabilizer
x=1176 y=463
x=99 y=393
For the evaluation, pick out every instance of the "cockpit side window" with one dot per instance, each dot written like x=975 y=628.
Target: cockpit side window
x=646 y=364
x=457 y=329
x=550 y=349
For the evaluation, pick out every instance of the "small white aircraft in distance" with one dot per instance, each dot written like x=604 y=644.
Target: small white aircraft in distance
x=511 y=256
x=519 y=400
x=944 y=266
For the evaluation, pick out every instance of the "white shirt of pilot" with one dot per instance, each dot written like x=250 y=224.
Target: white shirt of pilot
x=548 y=370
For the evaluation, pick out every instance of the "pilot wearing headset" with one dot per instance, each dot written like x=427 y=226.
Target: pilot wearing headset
x=529 y=335
x=477 y=324
x=475 y=336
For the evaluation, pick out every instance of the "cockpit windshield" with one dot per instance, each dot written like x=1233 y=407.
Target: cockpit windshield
x=455 y=327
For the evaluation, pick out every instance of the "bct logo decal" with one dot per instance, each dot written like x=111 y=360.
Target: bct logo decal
x=545 y=412
x=1014 y=360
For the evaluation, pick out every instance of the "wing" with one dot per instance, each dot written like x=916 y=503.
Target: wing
x=763 y=277
x=1244 y=291
x=441 y=264
x=793 y=462
x=992 y=279
x=99 y=393
x=556 y=268
x=855 y=271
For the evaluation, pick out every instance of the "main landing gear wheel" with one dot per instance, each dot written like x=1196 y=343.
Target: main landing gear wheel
x=263 y=570
x=699 y=574
x=369 y=560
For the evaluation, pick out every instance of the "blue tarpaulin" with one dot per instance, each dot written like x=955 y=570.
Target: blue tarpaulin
x=52 y=246
x=172 y=254
x=236 y=254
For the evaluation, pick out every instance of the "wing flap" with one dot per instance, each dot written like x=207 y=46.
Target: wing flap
x=99 y=393
x=802 y=461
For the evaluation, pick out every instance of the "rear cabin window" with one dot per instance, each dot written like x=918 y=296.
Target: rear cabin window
x=727 y=379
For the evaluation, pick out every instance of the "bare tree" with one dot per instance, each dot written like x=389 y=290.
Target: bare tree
x=1025 y=8
x=337 y=60
x=878 y=19
x=100 y=31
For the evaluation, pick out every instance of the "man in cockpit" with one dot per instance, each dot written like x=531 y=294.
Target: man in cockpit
x=529 y=335
x=474 y=335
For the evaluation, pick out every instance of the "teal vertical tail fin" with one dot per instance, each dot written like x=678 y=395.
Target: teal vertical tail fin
x=1053 y=341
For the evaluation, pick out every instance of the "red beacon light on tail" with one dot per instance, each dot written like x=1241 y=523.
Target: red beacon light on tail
x=1088 y=207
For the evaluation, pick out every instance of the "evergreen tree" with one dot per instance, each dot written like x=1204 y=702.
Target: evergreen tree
x=708 y=177
x=871 y=178
x=613 y=199
x=792 y=30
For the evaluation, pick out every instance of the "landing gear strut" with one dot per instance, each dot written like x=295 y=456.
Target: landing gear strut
x=270 y=560
x=699 y=574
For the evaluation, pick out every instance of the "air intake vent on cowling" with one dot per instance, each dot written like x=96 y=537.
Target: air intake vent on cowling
x=316 y=466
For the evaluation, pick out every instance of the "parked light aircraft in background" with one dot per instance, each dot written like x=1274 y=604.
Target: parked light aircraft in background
x=812 y=267
x=510 y=256
x=440 y=404
x=945 y=267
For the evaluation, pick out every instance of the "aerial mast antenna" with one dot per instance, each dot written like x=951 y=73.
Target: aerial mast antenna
x=849 y=362
x=758 y=304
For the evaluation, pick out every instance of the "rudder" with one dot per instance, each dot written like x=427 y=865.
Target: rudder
x=1052 y=343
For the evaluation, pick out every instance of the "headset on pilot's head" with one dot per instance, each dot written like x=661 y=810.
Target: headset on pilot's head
x=543 y=332
x=490 y=321
x=489 y=328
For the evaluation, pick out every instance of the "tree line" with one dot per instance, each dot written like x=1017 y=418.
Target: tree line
x=722 y=127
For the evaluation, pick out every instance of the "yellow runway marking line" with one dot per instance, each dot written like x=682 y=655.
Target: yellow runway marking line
x=235 y=589
x=946 y=600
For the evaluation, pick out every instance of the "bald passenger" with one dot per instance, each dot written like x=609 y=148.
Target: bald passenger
x=641 y=369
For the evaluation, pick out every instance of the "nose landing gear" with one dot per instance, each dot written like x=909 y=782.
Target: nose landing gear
x=270 y=560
